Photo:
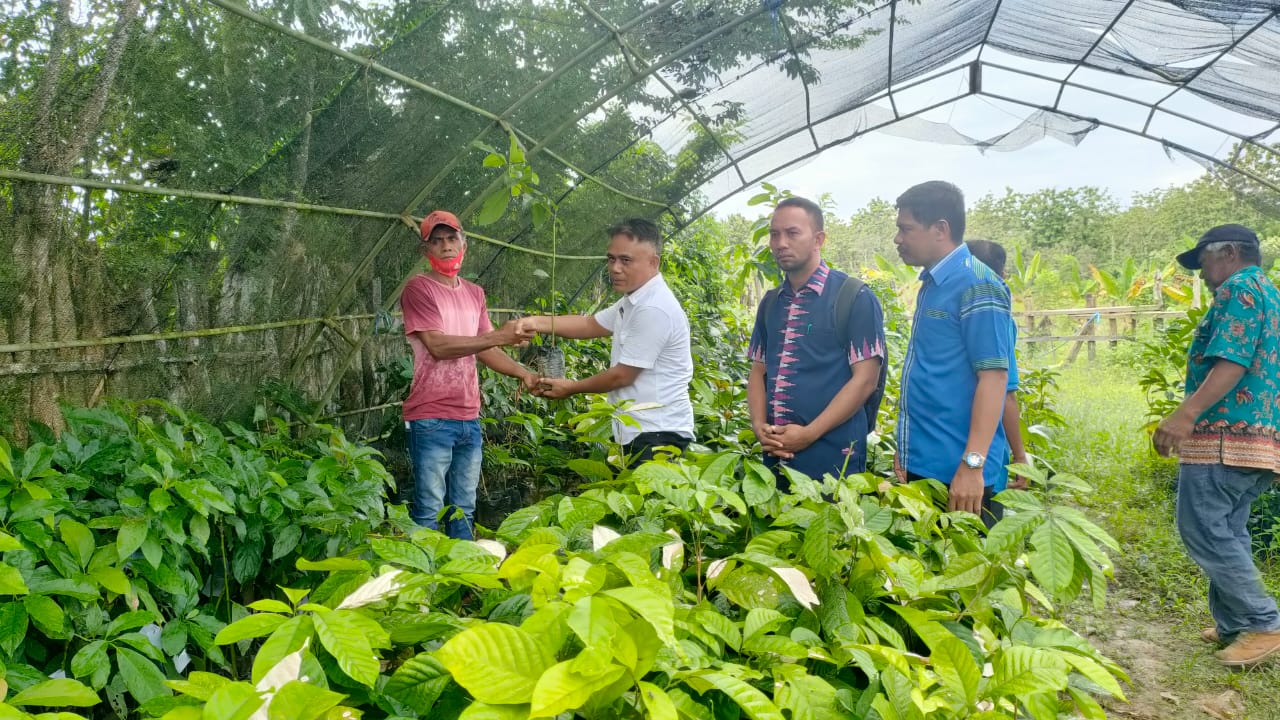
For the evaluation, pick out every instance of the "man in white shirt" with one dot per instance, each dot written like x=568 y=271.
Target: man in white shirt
x=650 y=362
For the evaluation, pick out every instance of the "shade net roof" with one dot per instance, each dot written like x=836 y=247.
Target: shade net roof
x=211 y=164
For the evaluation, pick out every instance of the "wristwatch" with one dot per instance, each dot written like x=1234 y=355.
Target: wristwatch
x=974 y=460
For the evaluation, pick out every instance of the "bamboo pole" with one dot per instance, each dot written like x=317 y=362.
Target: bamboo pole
x=1091 y=330
x=189 y=194
x=205 y=332
x=70 y=367
x=406 y=219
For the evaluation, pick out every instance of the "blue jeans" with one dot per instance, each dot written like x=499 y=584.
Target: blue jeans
x=1213 y=509
x=445 y=455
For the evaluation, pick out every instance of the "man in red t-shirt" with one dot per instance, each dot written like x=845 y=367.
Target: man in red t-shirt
x=447 y=323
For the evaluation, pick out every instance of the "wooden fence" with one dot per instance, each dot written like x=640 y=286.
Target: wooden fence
x=1090 y=326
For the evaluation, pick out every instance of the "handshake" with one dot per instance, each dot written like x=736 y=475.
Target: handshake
x=517 y=333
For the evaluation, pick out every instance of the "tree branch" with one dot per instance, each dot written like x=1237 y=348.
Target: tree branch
x=43 y=129
x=92 y=115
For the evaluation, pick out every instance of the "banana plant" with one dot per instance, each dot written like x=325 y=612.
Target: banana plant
x=1123 y=286
x=1021 y=275
x=1078 y=285
x=1177 y=284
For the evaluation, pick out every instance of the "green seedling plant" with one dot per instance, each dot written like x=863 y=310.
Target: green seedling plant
x=131 y=539
x=695 y=589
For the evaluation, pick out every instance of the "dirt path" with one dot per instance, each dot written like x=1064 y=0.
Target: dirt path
x=1174 y=675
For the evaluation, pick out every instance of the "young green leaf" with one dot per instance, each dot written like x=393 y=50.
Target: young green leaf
x=199 y=685
x=592 y=619
x=289 y=637
x=131 y=536
x=59 y=692
x=654 y=608
x=333 y=564
x=498 y=664
x=11 y=582
x=269 y=605
x=79 y=539
x=112 y=579
x=89 y=659
x=485 y=711
x=956 y=667
x=233 y=701
x=656 y=702
x=1007 y=534
x=1053 y=561
x=559 y=689
x=46 y=614
x=375 y=590
x=752 y=701
x=494 y=207
x=419 y=682
x=287 y=670
x=249 y=627
x=129 y=621
x=798 y=584
x=141 y=676
x=1022 y=670
x=349 y=645
x=304 y=701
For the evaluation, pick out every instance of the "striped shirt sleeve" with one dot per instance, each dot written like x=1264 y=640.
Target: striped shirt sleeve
x=984 y=324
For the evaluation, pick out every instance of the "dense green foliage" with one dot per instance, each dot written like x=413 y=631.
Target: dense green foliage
x=689 y=590
x=131 y=539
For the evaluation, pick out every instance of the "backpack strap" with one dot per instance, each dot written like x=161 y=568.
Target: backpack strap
x=844 y=307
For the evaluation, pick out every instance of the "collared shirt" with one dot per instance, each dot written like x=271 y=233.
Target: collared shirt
x=961 y=327
x=1242 y=326
x=806 y=364
x=651 y=332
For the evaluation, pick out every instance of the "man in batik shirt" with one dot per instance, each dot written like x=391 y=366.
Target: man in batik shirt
x=1226 y=434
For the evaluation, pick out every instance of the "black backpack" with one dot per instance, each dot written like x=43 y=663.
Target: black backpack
x=844 y=305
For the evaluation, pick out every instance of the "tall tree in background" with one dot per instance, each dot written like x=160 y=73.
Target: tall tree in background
x=62 y=114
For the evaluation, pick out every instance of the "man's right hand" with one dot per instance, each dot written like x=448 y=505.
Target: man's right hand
x=515 y=332
x=966 y=490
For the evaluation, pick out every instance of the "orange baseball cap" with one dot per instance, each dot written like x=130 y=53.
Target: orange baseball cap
x=439 y=217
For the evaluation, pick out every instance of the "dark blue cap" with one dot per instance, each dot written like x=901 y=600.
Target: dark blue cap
x=1222 y=233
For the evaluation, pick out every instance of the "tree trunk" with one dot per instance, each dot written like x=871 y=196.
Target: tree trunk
x=42 y=253
x=306 y=273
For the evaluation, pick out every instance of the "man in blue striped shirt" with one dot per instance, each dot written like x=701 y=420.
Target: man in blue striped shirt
x=957 y=366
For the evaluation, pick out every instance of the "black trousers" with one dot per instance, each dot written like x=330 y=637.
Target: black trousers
x=992 y=511
x=643 y=447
